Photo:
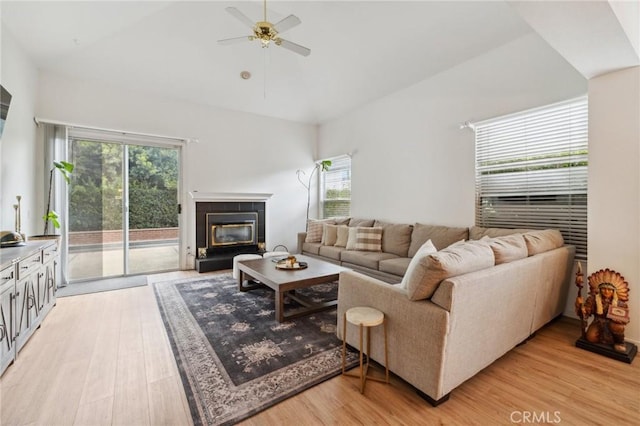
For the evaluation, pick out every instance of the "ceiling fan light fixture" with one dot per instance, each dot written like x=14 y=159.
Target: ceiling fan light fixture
x=266 y=32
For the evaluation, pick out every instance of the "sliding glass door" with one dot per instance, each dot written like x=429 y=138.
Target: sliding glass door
x=153 y=209
x=123 y=208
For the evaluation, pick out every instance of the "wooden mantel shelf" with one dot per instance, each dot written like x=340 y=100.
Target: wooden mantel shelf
x=228 y=196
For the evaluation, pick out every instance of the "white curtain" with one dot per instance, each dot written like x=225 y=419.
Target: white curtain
x=55 y=149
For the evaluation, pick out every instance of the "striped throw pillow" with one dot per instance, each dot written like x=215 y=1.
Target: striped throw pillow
x=369 y=239
x=314 y=230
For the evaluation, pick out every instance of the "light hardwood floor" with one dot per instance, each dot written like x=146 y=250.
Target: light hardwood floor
x=104 y=358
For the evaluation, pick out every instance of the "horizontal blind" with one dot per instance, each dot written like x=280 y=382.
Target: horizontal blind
x=531 y=171
x=336 y=188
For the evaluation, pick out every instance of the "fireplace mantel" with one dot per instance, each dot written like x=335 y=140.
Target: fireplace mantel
x=228 y=196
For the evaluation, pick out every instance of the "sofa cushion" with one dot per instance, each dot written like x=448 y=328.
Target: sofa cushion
x=417 y=267
x=313 y=248
x=368 y=238
x=440 y=236
x=331 y=252
x=394 y=266
x=458 y=259
x=508 y=248
x=543 y=240
x=341 y=220
x=354 y=221
x=396 y=237
x=342 y=236
x=329 y=234
x=368 y=259
x=314 y=230
x=477 y=232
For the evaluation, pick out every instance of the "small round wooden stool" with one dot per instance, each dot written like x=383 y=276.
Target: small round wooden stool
x=364 y=317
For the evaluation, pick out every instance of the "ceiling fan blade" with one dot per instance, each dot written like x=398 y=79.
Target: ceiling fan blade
x=301 y=50
x=240 y=17
x=234 y=40
x=287 y=23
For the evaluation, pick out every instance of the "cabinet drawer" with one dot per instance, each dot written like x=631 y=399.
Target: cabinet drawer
x=7 y=277
x=49 y=253
x=29 y=264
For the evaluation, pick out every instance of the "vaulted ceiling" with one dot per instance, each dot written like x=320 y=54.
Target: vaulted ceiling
x=360 y=50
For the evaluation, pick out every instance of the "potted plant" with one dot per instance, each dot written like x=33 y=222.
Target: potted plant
x=323 y=166
x=50 y=215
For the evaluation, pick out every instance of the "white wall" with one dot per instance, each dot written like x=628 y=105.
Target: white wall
x=235 y=152
x=18 y=151
x=614 y=182
x=411 y=161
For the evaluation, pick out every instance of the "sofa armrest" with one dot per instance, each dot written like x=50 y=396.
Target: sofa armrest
x=301 y=237
x=416 y=330
x=357 y=289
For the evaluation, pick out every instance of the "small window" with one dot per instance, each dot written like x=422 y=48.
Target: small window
x=335 y=188
x=531 y=171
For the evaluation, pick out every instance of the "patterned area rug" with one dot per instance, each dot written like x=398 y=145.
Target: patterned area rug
x=235 y=359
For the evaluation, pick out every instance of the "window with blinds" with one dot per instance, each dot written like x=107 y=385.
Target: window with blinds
x=531 y=171
x=335 y=188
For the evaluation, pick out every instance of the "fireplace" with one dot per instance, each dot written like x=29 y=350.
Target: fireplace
x=231 y=229
x=225 y=229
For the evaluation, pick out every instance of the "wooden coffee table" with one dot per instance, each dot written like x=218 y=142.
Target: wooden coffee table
x=287 y=281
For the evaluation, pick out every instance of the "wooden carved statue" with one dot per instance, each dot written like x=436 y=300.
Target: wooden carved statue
x=607 y=303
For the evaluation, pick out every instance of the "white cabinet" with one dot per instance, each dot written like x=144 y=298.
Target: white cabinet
x=48 y=284
x=27 y=293
x=28 y=312
x=7 y=316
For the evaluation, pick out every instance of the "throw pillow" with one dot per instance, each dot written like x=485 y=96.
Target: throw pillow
x=455 y=260
x=541 y=241
x=329 y=234
x=342 y=236
x=351 y=238
x=418 y=266
x=508 y=248
x=314 y=230
x=369 y=239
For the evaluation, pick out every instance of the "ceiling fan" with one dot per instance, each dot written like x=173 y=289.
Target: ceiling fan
x=266 y=32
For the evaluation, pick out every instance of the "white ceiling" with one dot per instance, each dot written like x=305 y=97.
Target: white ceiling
x=360 y=50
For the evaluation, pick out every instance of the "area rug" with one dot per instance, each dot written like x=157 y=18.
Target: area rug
x=234 y=358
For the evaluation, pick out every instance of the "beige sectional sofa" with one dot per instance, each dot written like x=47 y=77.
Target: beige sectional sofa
x=399 y=244
x=456 y=306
